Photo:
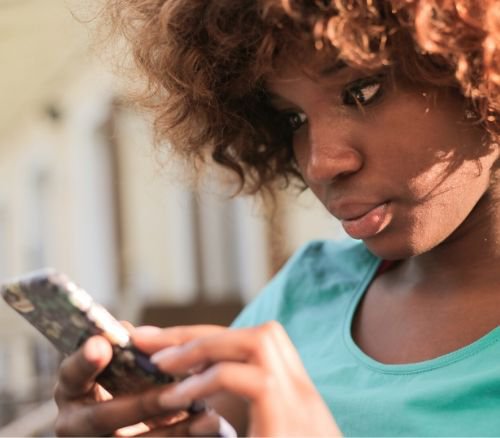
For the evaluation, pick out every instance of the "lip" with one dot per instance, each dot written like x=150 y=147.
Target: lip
x=363 y=220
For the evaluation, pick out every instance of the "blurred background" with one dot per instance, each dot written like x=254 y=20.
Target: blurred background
x=83 y=190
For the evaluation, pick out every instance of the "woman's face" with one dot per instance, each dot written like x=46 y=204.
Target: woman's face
x=397 y=164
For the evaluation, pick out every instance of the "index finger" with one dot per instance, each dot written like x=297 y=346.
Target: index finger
x=78 y=371
x=150 y=339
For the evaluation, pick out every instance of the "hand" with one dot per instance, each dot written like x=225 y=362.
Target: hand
x=257 y=364
x=87 y=409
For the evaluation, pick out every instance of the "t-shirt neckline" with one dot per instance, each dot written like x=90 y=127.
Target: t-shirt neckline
x=410 y=368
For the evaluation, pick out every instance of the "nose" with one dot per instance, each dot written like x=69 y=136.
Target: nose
x=330 y=157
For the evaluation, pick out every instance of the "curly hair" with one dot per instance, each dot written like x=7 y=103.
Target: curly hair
x=205 y=62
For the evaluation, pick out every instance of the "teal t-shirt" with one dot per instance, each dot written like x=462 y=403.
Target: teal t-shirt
x=315 y=296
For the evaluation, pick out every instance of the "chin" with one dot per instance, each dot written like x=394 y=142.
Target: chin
x=388 y=252
x=392 y=246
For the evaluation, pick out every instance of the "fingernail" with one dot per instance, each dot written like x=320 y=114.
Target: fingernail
x=95 y=349
x=197 y=369
x=147 y=330
x=164 y=355
x=187 y=385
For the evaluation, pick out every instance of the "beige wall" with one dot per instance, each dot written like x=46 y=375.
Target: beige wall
x=40 y=41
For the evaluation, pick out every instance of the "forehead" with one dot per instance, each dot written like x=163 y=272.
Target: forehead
x=292 y=79
x=310 y=62
x=319 y=66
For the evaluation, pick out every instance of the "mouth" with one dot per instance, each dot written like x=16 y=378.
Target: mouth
x=369 y=223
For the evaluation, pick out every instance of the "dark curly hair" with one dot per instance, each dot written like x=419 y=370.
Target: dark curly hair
x=206 y=60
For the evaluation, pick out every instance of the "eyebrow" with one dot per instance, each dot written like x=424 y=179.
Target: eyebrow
x=329 y=70
x=275 y=99
x=333 y=69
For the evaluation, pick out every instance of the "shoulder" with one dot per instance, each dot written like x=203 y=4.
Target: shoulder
x=320 y=270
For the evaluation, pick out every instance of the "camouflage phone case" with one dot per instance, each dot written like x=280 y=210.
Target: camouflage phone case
x=68 y=316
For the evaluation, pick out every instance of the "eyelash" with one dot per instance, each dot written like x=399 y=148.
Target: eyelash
x=353 y=94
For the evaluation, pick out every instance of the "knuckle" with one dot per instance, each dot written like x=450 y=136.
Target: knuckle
x=62 y=374
x=222 y=375
x=274 y=327
x=267 y=384
x=147 y=405
x=257 y=348
x=218 y=374
x=264 y=334
x=200 y=347
x=261 y=335
x=58 y=395
x=67 y=374
x=172 y=333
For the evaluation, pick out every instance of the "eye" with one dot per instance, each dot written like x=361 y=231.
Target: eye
x=363 y=91
x=294 y=120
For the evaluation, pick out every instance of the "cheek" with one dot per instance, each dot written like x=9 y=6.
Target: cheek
x=443 y=204
x=450 y=194
x=444 y=179
x=301 y=149
x=429 y=149
x=438 y=199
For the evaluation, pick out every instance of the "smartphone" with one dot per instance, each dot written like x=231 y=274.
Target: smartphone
x=68 y=316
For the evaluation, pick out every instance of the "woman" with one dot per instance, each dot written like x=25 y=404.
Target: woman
x=388 y=112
